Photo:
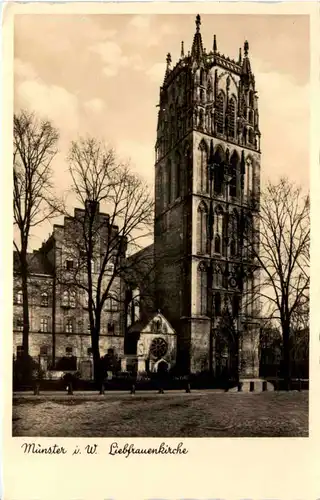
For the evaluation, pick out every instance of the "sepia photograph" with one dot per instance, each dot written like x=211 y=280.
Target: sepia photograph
x=161 y=224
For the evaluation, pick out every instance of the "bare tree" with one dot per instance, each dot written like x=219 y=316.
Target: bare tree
x=281 y=242
x=34 y=147
x=99 y=241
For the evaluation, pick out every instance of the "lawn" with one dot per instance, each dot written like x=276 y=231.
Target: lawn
x=199 y=414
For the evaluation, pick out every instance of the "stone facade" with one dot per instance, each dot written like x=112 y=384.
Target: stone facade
x=58 y=305
x=207 y=183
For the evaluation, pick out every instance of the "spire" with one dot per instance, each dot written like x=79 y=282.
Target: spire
x=246 y=48
x=197 y=48
x=240 y=56
x=198 y=23
x=168 y=69
x=214 y=43
x=182 y=49
x=246 y=67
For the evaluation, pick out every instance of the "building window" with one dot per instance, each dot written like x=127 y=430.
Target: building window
x=218 y=171
x=110 y=266
x=19 y=351
x=65 y=298
x=69 y=350
x=69 y=265
x=19 y=324
x=43 y=325
x=44 y=299
x=251 y=98
x=233 y=170
x=217 y=304
x=232 y=118
x=251 y=137
x=203 y=279
x=220 y=113
x=43 y=350
x=72 y=299
x=112 y=303
x=69 y=325
x=203 y=167
x=111 y=327
x=19 y=297
x=232 y=248
x=235 y=306
x=202 y=225
x=217 y=244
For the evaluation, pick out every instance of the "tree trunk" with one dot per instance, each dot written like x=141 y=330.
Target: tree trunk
x=286 y=356
x=25 y=306
x=97 y=371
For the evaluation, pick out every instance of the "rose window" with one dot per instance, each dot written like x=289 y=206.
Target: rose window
x=158 y=348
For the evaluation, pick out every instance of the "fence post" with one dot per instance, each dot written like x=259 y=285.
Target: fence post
x=188 y=389
x=70 y=389
x=133 y=389
x=102 y=392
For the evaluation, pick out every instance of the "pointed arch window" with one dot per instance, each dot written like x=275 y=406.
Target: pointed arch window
x=220 y=113
x=248 y=178
x=201 y=119
x=203 y=285
x=202 y=225
x=217 y=277
x=217 y=304
x=235 y=305
x=234 y=162
x=232 y=247
x=218 y=171
x=232 y=117
x=217 y=243
x=218 y=229
x=203 y=167
x=251 y=137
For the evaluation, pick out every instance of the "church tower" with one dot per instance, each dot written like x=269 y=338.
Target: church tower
x=207 y=182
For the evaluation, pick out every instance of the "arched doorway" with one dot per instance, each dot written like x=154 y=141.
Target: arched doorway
x=227 y=350
x=162 y=368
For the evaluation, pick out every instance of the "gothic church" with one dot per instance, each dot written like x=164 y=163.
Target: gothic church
x=207 y=178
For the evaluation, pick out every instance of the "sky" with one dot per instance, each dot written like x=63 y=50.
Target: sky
x=100 y=75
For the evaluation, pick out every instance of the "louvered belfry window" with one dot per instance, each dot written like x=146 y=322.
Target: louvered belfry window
x=220 y=113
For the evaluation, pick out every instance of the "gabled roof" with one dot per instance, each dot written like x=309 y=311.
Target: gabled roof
x=153 y=323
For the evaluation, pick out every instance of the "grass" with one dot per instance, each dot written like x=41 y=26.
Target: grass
x=205 y=414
